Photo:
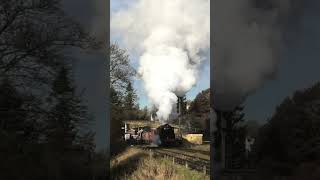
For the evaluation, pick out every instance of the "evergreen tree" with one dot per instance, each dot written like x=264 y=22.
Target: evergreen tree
x=131 y=97
x=130 y=103
x=62 y=123
x=66 y=126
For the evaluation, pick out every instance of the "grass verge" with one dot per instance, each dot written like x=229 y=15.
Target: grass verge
x=136 y=164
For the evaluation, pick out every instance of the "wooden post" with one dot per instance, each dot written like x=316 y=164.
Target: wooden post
x=172 y=160
x=186 y=164
x=204 y=170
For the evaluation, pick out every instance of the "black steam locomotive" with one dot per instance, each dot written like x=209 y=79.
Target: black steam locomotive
x=166 y=135
x=162 y=136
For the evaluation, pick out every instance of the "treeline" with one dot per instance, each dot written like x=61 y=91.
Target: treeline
x=44 y=125
x=124 y=99
x=287 y=145
x=195 y=118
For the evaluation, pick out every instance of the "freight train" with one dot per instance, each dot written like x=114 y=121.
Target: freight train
x=162 y=136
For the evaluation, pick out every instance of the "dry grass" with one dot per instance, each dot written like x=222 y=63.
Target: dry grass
x=130 y=152
x=125 y=163
x=203 y=147
x=136 y=164
x=163 y=169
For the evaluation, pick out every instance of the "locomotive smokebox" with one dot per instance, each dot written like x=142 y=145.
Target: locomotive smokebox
x=166 y=135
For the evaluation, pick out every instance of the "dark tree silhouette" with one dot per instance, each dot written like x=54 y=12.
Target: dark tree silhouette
x=201 y=104
x=42 y=119
x=33 y=38
x=291 y=137
x=198 y=113
x=65 y=129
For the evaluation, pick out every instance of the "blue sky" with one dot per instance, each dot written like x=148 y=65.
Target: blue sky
x=204 y=73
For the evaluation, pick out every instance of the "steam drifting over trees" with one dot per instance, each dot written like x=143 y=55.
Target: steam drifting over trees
x=169 y=47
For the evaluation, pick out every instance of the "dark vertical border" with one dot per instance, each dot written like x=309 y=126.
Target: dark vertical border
x=211 y=96
x=215 y=166
x=108 y=84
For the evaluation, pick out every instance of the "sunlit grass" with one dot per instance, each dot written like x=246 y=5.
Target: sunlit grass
x=136 y=164
x=202 y=147
x=163 y=169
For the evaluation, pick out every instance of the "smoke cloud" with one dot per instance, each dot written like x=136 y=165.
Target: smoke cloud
x=169 y=36
x=249 y=40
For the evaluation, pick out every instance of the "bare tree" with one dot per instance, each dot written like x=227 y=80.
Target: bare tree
x=121 y=71
x=34 y=35
x=35 y=40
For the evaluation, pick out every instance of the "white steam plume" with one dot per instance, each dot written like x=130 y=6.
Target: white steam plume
x=169 y=35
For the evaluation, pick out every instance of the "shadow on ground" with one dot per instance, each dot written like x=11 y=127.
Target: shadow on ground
x=127 y=166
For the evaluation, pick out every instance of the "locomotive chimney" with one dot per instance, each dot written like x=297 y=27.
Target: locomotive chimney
x=179 y=109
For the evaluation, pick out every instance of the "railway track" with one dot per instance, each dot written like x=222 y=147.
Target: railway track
x=192 y=162
x=198 y=155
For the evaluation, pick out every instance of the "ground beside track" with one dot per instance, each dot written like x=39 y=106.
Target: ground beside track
x=135 y=163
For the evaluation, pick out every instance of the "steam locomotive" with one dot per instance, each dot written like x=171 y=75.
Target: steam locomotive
x=166 y=134
x=162 y=136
